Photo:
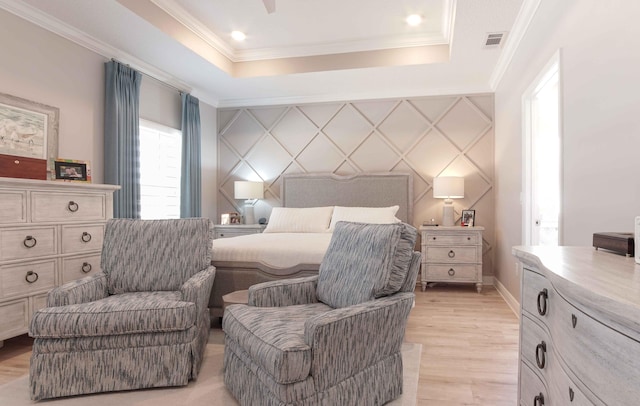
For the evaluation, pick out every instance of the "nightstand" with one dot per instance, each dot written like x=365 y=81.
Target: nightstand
x=234 y=230
x=451 y=254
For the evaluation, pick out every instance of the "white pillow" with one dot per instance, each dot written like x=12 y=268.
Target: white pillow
x=373 y=215
x=299 y=220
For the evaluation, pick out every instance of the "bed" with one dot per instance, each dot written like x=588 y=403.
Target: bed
x=277 y=254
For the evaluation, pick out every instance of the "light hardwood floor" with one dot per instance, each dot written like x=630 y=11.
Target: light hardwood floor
x=469 y=348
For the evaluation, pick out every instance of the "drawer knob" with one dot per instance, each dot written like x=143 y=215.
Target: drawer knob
x=30 y=241
x=86 y=237
x=86 y=267
x=434 y=238
x=451 y=254
x=451 y=272
x=541 y=350
x=31 y=276
x=543 y=295
x=73 y=206
x=571 y=395
x=574 y=320
x=468 y=238
x=538 y=400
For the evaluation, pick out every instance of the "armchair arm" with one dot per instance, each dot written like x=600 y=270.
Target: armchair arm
x=285 y=292
x=347 y=340
x=198 y=288
x=81 y=290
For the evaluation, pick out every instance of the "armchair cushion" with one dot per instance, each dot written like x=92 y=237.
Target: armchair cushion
x=364 y=262
x=127 y=313
x=274 y=337
x=132 y=267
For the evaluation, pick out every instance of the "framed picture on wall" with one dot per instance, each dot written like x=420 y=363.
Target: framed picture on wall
x=468 y=218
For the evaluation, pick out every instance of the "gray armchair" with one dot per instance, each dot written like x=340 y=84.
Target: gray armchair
x=330 y=339
x=142 y=322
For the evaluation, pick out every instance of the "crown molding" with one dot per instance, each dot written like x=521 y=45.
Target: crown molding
x=350 y=97
x=185 y=18
x=520 y=27
x=52 y=24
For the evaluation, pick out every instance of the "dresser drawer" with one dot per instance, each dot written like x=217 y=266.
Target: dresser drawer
x=78 y=267
x=14 y=207
x=602 y=358
x=82 y=238
x=14 y=318
x=454 y=272
x=451 y=239
x=532 y=388
x=536 y=347
x=25 y=243
x=452 y=255
x=27 y=279
x=538 y=296
x=37 y=302
x=49 y=206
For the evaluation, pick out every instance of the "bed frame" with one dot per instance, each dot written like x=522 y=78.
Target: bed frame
x=315 y=190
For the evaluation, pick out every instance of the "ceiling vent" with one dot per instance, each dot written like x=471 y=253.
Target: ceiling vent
x=494 y=39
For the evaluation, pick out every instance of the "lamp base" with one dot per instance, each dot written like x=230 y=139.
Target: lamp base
x=249 y=216
x=447 y=215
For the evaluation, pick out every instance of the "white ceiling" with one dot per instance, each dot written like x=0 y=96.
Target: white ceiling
x=369 y=51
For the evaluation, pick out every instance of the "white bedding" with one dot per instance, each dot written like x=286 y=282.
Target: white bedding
x=276 y=250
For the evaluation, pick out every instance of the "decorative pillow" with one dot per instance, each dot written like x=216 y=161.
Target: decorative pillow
x=299 y=220
x=372 y=215
x=365 y=261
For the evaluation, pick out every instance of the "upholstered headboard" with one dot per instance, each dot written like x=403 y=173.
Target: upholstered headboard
x=360 y=190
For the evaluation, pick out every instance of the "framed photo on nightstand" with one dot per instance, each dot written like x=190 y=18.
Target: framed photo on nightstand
x=468 y=218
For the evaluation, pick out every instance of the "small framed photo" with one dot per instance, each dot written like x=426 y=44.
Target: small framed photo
x=468 y=218
x=72 y=170
x=230 y=218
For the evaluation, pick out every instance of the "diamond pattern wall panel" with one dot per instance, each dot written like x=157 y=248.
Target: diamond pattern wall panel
x=426 y=136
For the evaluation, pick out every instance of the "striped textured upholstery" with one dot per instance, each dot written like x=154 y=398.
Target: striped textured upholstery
x=365 y=261
x=287 y=347
x=142 y=322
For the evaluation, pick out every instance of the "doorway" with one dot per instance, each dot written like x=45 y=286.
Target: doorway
x=542 y=158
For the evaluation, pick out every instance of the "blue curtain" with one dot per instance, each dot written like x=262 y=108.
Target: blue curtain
x=190 y=188
x=122 y=137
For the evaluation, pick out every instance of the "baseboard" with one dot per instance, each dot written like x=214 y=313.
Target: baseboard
x=508 y=297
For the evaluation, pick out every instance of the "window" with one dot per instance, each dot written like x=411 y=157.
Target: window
x=160 y=159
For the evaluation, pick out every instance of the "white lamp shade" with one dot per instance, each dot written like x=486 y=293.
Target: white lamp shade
x=248 y=190
x=448 y=187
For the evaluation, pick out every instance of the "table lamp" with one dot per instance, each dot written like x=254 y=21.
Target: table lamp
x=447 y=188
x=251 y=191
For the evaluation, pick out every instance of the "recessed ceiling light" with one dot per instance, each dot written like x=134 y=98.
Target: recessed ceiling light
x=238 y=35
x=414 y=20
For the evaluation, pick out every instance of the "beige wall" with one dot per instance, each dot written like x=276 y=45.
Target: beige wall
x=49 y=69
x=601 y=129
x=429 y=136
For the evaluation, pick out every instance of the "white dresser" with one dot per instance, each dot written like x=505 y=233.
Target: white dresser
x=579 y=327
x=50 y=233
x=451 y=254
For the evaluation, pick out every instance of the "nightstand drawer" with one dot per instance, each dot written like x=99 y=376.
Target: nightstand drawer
x=452 y=239
x=467 y=273
x=452 y=254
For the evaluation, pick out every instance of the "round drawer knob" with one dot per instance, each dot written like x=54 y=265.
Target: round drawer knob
x=434 y=238
x=451 y=272
x=543 y=295
x=30 y=241
x=541 y=351
x=538 y=400
x=86 y=267
x=73 y=206
x=451 y=254
x=86 y=237
x=31 y=276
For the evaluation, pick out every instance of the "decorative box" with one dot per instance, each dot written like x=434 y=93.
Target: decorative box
x=622 y=243
x=12 y=166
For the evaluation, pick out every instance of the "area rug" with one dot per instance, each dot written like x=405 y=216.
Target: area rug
x=208 y=390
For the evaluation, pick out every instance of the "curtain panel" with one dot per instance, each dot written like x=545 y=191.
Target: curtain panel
x=190 y=180
x=122 y=137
